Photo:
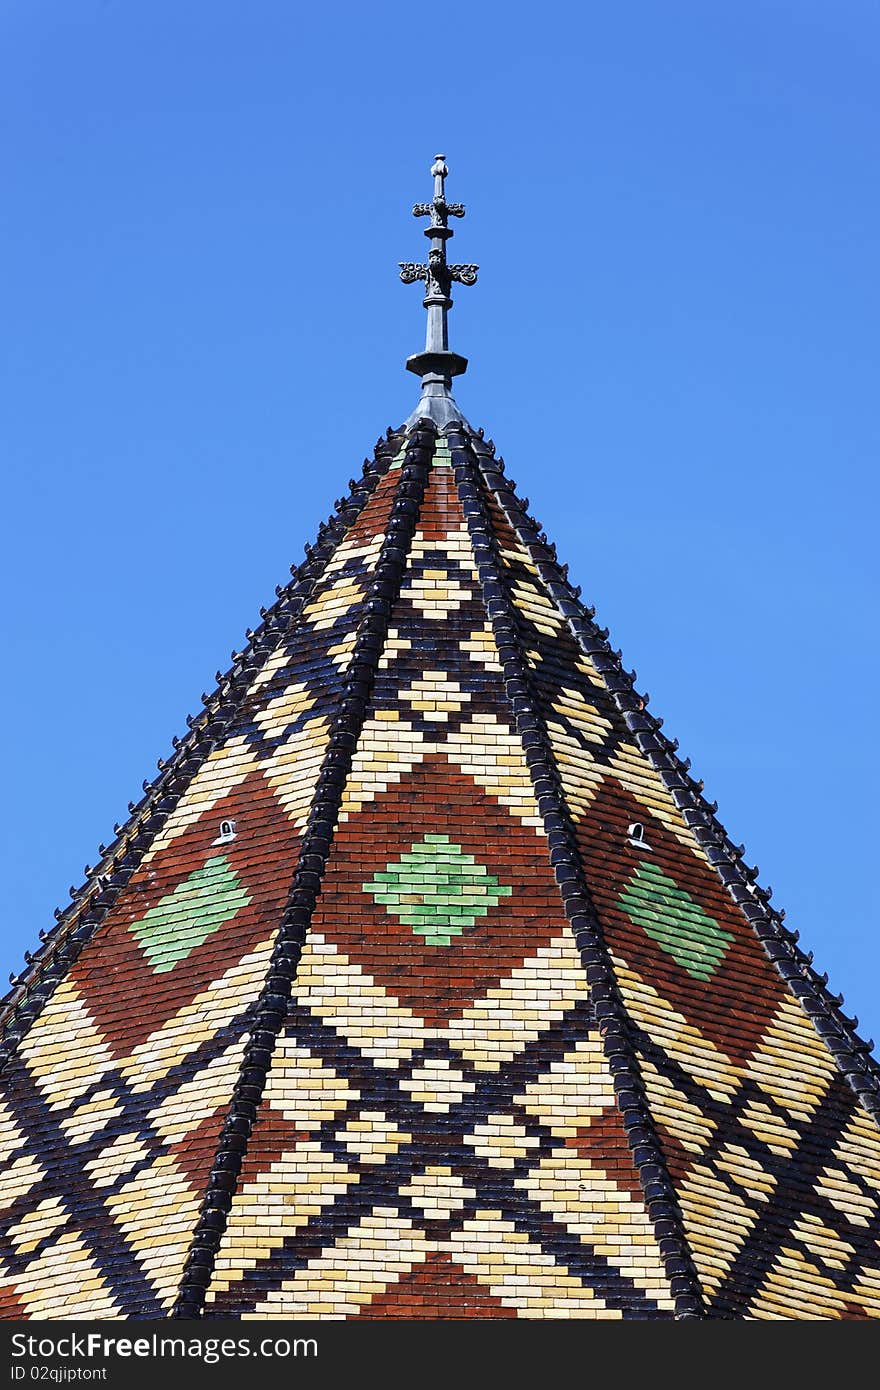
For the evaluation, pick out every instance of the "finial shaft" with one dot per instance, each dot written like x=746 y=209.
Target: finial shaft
x=437 y=365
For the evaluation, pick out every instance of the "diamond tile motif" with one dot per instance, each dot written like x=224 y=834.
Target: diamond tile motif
x=437 y=889
x=430 y=756
x=679 y=925
x=185 y=918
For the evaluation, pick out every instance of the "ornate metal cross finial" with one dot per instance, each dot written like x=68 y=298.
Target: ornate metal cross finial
x=437 y=365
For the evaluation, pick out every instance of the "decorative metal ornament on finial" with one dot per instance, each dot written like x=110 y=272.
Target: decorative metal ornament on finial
x=437 y=365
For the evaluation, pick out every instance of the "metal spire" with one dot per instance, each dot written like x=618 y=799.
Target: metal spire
x=437 y=365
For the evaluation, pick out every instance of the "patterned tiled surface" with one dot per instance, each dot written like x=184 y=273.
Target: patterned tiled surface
x=448 y=1124
x=439 y=1108
x=118 y=1091
x=749 y=1102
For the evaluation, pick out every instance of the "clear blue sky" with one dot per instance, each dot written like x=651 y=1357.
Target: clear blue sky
x=674 y=342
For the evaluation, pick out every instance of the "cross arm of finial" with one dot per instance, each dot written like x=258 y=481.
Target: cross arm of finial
x=427 y=209
x=464 y=274
x=410 y=271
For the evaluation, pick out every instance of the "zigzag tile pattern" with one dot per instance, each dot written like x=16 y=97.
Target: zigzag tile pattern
x=423 y=982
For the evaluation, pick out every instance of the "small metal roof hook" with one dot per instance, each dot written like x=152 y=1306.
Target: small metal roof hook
x=636 y=835
x=227 y=833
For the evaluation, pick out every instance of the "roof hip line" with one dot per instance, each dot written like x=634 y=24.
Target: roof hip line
x=470 y=457
x=95 y=898
x=794 y=966
x=270 y=1011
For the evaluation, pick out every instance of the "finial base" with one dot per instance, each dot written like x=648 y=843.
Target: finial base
x=437 y=405
x=441 y=409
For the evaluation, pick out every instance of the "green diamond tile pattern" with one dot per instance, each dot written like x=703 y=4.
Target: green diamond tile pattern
x=679 y=925
x=437 y=889
x=182 y=920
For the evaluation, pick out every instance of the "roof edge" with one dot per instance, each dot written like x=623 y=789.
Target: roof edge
x=94 y=898
x=850 y=1051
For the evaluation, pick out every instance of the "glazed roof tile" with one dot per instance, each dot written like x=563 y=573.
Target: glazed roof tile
x=423 y=981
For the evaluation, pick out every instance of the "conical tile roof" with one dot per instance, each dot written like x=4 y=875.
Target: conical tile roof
x=424 y=983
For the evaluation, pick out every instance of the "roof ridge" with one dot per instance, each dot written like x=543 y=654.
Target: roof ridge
x=614 y=1023
x=95 y=897
x=270 y=1009
x=849 y=1050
